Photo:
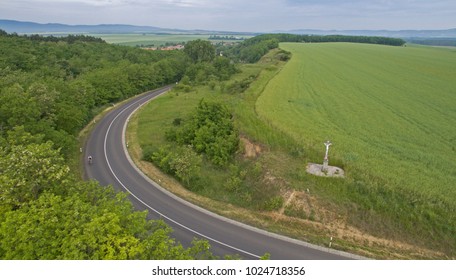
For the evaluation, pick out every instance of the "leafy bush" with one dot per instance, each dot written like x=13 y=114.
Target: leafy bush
x=182 y=162
x=210 y=131
x=240 y=86
x=273 y=203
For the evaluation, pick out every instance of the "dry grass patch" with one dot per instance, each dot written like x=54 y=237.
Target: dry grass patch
x=251 y=150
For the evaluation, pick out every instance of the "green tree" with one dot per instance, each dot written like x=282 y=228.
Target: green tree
x=210 y=131
x=200 y=72
x=200 y=50
x=186 y=164
x=215 y=134
x=17 y=108
x=45 y=99
x=224 y=68
x=28 y=169
x=88 y=222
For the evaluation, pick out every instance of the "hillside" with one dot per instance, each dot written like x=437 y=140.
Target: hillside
x=375 y=211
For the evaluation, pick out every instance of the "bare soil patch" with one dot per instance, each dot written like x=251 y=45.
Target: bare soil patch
x=251 y=150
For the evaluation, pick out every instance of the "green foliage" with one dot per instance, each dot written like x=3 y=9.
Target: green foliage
x=62 y=81
x=233 y=184
x=236 y=179
x=283 y=55
x=266 y=256
x=92 y=223
x=49 y=88
x=27 y=169
x=253 y=52
x=210 y=131
x=182 y=162
x=186 y=164
x=240 y=86
x=224 y=68
x=46 y=214
x=162 y=158
x=68 y=39
x=200 y=250
x=200 y=51
x=327 y=38
x=206 y=67
x=273 y=203
x=200 y=72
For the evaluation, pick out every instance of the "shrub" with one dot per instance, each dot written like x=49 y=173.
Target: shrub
x=210 y=131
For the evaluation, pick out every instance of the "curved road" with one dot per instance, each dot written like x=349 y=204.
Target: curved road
x=112 y=166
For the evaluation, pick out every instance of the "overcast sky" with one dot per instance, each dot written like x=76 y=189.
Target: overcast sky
x=240 y=15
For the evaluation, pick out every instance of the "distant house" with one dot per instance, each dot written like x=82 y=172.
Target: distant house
x=171 y=48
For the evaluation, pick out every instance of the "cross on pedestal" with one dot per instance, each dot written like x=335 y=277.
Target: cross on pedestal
x=325 y=160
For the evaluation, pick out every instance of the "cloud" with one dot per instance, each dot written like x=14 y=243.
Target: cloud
x=240 y=15
x=185 y=3
x=96 y=3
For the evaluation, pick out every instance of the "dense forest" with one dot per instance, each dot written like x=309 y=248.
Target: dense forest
x=49 y=90
x=283 y=37
x=64 y=81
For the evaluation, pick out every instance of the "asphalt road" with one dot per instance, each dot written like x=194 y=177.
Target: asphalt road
x=112 y=166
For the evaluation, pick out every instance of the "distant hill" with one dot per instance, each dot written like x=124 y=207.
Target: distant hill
x=446 y=33
x=33 y=27
x=23 y=27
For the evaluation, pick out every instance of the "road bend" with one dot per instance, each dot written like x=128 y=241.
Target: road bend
x=112 y=166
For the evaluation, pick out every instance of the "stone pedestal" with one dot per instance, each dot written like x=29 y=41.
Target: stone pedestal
x=324 y=168
x=331 y=171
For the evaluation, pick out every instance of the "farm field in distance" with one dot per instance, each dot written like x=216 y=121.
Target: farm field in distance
x=391 y=115
x=147 y=39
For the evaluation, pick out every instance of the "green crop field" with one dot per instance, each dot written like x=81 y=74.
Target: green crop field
x=391 y=115
x=390 y=111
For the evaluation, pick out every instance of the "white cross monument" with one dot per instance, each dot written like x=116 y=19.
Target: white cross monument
x=325 y=160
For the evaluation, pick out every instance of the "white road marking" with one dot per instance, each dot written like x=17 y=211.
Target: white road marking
x=150 y=207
